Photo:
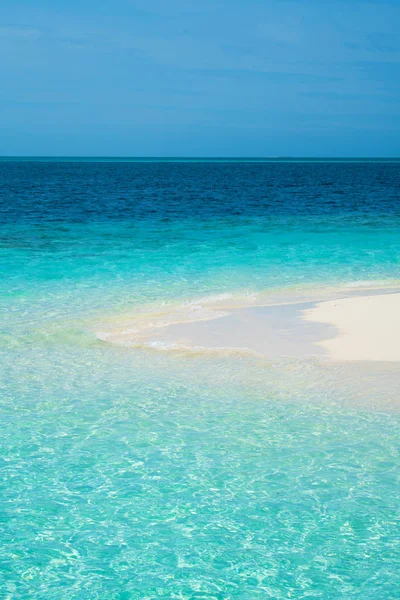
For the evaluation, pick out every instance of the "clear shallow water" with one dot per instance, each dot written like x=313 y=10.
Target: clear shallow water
x=129 y=474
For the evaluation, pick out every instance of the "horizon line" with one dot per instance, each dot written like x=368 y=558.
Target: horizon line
x=194 y=158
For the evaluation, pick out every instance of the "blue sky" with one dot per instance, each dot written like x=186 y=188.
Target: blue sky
x=200 y=77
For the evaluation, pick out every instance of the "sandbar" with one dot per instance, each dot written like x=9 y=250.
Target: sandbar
x=353 y=325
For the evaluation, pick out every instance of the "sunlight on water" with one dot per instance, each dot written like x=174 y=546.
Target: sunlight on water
x=135 y=474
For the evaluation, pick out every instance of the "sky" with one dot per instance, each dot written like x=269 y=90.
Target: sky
x=200 y=78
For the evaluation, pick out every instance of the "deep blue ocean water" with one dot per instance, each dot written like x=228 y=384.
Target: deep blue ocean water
x=132 y=474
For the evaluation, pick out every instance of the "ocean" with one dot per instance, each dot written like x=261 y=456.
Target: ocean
x=133 y=473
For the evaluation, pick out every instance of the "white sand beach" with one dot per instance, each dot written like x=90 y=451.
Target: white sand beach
x=368 y=327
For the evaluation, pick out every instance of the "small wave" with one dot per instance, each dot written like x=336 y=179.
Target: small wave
x=367 y=283
x=170 y=346
x=213 y=298
x=103 y=336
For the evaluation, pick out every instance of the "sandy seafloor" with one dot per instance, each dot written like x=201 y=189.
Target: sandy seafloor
x=178 y=417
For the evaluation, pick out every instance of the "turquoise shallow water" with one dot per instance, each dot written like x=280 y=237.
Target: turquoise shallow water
x=132 y=474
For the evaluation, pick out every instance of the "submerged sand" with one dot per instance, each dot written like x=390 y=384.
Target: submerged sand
x=358 y=325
